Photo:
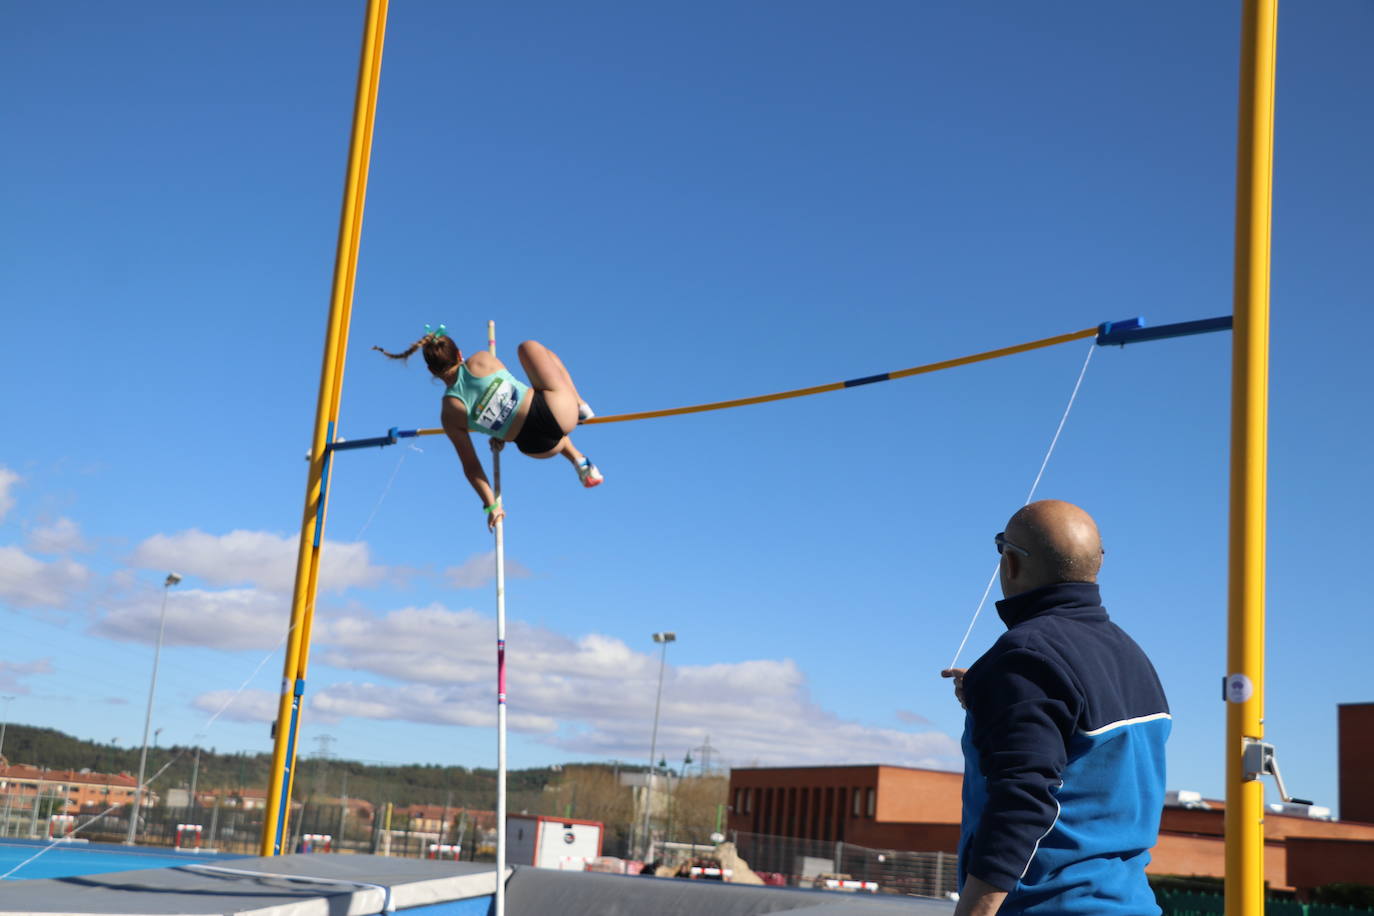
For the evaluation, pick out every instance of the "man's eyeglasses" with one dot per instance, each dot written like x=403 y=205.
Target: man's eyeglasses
x=1000 y=539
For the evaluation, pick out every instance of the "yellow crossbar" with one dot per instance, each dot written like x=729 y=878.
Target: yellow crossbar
x=835 y=386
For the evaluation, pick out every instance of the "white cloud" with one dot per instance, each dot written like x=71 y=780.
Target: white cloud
x=456 y=705
x=479 y=570
x=257 y=558
x=29 y=582
x=594 y=695
x=438 y=646
x=754 y=711
x=427 y=645
x=62 y=536
x=242 y=618
x=12 y=674
x=7 y=481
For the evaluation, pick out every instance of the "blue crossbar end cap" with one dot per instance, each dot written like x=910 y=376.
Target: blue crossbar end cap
x=1108 y=331
x=391 y=434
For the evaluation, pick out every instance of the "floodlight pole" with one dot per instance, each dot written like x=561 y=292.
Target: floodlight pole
x=4 y=722
x=195 y=773
x=663 y=639
x=172 y=579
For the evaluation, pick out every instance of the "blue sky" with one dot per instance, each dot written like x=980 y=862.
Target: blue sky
x=689 y=202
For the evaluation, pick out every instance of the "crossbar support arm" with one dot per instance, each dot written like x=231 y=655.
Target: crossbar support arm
x=392 y=436
x=1133 y=330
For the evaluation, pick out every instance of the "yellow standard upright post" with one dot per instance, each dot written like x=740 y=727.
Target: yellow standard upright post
x=1244 y=687
x=275 y=821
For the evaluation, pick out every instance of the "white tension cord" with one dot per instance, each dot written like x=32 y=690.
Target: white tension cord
x=1029 y=496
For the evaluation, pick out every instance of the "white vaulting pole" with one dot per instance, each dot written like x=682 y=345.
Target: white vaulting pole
x=500 y=667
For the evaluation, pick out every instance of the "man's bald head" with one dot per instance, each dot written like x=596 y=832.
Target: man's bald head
x=1062 y=542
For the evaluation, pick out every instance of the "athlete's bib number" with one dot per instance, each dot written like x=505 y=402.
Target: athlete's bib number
x=496 y=405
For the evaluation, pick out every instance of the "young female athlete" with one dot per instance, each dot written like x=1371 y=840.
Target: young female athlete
x=482 y=396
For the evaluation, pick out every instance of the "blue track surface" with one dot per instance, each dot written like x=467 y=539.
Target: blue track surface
x=63 y=860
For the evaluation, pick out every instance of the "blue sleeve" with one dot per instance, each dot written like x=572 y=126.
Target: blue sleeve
x=1024 y=709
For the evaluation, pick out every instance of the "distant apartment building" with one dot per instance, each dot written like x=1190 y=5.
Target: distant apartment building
x=22 y=785
x=359 y=809
x=442 y=820
x=246 y=799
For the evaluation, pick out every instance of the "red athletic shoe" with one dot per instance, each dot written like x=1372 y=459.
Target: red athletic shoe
x=588 y=474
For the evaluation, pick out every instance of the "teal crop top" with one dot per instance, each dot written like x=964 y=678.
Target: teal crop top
x=491 y=400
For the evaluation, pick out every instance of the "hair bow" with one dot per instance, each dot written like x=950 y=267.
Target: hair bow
x=436 y=333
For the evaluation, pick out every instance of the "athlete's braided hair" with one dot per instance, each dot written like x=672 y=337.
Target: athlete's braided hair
x=441 y=354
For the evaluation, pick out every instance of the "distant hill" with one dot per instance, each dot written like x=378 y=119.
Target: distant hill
x=407 y=784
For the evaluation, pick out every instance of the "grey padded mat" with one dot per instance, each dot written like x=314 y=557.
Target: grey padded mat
x=537 y=891
x=340 y=885
x=295 y=885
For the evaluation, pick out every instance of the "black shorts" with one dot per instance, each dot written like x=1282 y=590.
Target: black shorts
x=541 y=432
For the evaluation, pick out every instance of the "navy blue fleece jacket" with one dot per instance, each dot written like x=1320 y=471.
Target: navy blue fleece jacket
x=1063 y=759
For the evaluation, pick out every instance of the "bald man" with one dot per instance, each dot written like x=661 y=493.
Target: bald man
x=1063 y=738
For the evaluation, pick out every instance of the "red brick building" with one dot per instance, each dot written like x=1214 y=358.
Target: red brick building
x=885 y=807
x=901 y=808
x=1355 y=725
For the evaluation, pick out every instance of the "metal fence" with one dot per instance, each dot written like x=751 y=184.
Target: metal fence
x=223 y=829
x=796 y=862
x=232 y=829
x=1192 y=903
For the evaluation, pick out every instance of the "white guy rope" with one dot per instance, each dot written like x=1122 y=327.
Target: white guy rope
x=1029 y=496
x=385 y=490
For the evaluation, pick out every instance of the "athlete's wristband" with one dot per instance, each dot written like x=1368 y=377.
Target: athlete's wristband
x=492 y=508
